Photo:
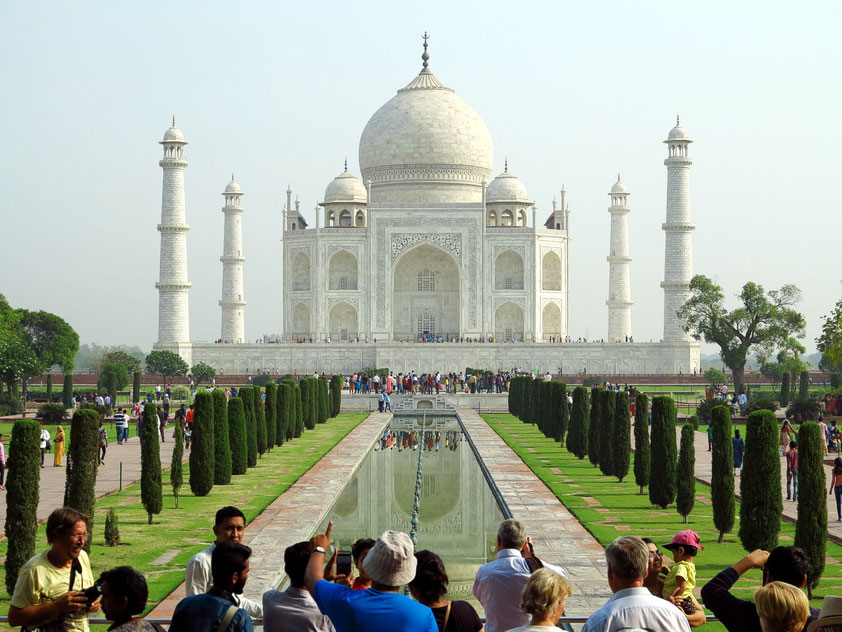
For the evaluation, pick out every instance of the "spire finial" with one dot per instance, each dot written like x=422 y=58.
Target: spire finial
x=173 y=120
x=425 y=57
x=677 y=120
x=618 y=177
x=346 y=164
x=506 y=165
x=232 y=176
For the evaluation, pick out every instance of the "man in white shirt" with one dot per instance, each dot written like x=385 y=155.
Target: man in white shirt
x=632 y=606
x=229 y=526
x=294 y=609
x=45 y=437
x=499 y=584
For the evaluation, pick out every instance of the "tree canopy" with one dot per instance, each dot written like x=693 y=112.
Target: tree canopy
x=114 y=377
x=202 y=372
x=166 y=363
x=763 y=321
x=50 y=337
x=830 y=340
x=131 y=363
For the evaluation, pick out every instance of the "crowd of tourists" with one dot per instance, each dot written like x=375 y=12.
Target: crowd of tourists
x=518 y=591
x=428 y=383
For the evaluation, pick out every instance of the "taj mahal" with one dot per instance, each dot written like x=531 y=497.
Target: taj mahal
x=427 y=261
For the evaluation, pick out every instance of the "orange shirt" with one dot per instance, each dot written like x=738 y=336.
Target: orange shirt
x=190 y=416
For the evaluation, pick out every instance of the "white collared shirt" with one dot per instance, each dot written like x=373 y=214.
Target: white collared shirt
x=637 y=608
x=293 y=610
x=498 y=586
x=198 y=580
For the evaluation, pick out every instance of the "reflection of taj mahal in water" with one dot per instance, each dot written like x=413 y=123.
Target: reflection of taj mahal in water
x=428 y=246
x=458 y=514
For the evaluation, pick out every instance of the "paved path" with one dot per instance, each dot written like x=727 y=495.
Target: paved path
x=557 y=535
x=108 y=475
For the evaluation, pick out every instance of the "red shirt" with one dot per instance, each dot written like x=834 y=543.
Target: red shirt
x=792 y=459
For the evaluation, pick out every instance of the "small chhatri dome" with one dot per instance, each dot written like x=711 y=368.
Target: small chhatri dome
x=346 y=187
x=678 y=132
x=232 y=187
x=173 y=134
x=506 y=187
x=619 y=187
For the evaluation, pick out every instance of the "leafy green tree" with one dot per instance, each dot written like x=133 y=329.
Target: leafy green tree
x=237 y=435
x=53 y=341
x=114 y=377
x=202 y=451
x=262 y=428
x=18 y=362
x=67 y=390
x=760 y=483
x=577 y=437
x=136 y=386
x=811 y=526
x=830 y=340
x=247 y=395
x=662 y=481
x=622 y=436
x=9 y=324
x=722 y=471
x=221 y=440
x=151 y=493
x=762 y=322
x=336 y=395
x=642 y=449
x=595 y=426
x=176 y=467
x=299 y=411
x=715 y=378
x=22 y=494
x=607 y=432
x=131 y=363
x=685 y=494
x=82 y=463
x=166 y=364
x=202 y=373
x=271 y=409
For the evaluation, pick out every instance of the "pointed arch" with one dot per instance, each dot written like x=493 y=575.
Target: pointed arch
x=551 y=320
x=508 y=322
x=343 y=322
x=300 y=272
x=551 y=272
x=508 y=271
x=342 y=271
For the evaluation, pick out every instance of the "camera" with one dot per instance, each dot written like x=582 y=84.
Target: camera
x=93 y=593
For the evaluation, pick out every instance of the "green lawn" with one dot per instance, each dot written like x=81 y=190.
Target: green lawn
x=187 y=530
x=606 y=507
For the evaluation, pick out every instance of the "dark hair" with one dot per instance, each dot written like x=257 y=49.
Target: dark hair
x=648 y=541
x=361 y=546
x=296 y=558
x=737 y=432
x=228 y=558
x=688 y=549
x=228 y=512
x=125 y=581
x=430 y=577
x=792 y=444
x=62 y=521
x=787 y=564
x=837 y=465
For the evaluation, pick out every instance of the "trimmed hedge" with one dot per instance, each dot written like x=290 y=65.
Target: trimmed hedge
x=760 y=483
x=336 y=395
x=176 y=465
x=595 y=426
x=811 y=531
x=685 y=495
x=150 y=462
x=324 y=399
x=299 y=411
x=202 y=446
x=722 y=471
x=238 y=435
x=22 y=494
x=82 y=464
x=642 y=449
x=664 y=452
x=247 y=395
x=67 y=389
x=607 y=432
x=577 y=437
x=261 y=425
x=622 y=432
x=271 y=410
x=221 y=440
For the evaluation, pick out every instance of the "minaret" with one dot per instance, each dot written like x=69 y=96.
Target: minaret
x=619 y=284
x=173 y=286
x=678 y=255
x=232 y=303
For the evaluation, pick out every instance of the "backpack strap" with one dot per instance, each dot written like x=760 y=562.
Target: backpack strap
x=226 y=620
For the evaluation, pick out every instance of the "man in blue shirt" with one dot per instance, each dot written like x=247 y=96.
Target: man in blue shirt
x=209 y=611
x=390 y=564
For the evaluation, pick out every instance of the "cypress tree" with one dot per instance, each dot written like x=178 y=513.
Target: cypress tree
x=314 y=400
x=803 y=385
x=271 y=410
x=299 y=411
x=49 y=387
x=221 y=440
x=176 y=467
x=202 y=448
x=622 y=432
x=552 y=410
x=685 y=495
x=784 y=390
x=811 y=526
x=112 y=528
x=82 y=464
x=280 y=415
x=262 y=426
x=607 y=433
x=22 y=494
x=514 y=393
x=722 y=471
x=662 y=436
x=642 y=450
x=247 y=395
x=537 y=405
x=323 y=403
x=760 y=483
x=594 y=427
x=577 y=437
x=67 y=389
x=304 y=385
x=238 y=435
x=136 y=386
x=336 y=397
x=562 y=422
x=527 y=400
x=286 y=410
x=150 y=462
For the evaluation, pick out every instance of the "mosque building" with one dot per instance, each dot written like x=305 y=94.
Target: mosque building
x=427 y=262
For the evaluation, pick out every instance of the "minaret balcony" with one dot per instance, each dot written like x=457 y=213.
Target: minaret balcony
x=173 y=287
x=173 y=228
x=232 y=259
x=618 y=259
x=678 y=226
x=172 y=163
x=678 y=161
x=619 y=303
x=675 y=286
x=236 y=304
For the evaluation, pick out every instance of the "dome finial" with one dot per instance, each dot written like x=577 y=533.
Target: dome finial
x=677 y=120
x=173 y=120
x=425 y=56
x=232 y=176
x=618 y=177
x=506 y=164
x=346 y=164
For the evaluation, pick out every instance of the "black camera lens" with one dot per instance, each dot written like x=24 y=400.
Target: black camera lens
x=92 y=593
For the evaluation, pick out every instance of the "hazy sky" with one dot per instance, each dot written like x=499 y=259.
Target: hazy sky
x=279 y=93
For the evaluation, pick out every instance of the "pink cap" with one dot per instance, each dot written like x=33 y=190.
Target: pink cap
x=686 y=538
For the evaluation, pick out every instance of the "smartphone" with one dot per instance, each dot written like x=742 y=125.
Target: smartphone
x=343 y=563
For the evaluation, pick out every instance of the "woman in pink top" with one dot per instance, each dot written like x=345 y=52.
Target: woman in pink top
x=836 y=486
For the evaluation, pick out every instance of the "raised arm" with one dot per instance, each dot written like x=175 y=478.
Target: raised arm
x=316 y=566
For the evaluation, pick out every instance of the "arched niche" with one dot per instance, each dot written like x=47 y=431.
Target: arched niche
x=551 y=320
x=345 y=218
x=438 y=296
x=331 y=219
x=492 y=218
x=360 y=218
x=342 y=271
x=508 y=271
x=551 y=272
x=522 y=217
x=508 y=322
x=343 y=322
x=507 y=218
x=301 y=272
x=300 y=320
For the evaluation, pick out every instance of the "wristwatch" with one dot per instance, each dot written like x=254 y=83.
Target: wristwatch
x=318 y=549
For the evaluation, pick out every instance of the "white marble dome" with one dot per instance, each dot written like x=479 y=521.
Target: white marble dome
x=346 y=187
x=506 y=187
x=232 y=187
x=173 y=134
x=678 y=133
x=426 y=132
x=619 y=187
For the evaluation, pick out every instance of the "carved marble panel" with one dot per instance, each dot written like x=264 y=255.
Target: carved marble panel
x=451 y=242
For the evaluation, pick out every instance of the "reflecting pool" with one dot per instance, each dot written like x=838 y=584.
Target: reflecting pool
x=458 y=515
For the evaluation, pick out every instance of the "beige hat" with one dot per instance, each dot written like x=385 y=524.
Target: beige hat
x=391 y=561
x=831 y=614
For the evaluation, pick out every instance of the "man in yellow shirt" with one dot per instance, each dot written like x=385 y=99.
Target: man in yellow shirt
x=50 y=585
